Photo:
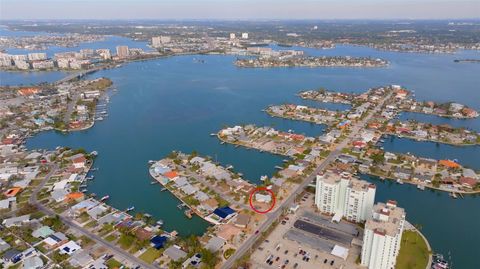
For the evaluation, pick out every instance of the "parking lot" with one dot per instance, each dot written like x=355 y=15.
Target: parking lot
x=305 y=246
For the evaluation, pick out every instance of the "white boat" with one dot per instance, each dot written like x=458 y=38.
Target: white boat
x=104 y=198
x=421 y=187
x=399 y=181
x=263 y=178
x=130 y=208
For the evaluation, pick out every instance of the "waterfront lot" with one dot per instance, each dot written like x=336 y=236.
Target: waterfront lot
x=307 y=238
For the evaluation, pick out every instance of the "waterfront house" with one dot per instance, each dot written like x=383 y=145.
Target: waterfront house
x=158 y=241
x=84 y=206
x=402 y=173
x=175 y=253
x=171 y=175
x=468 y=182
x=424 y=165
x=113 y=218
x=97 y=211
x=422 y=177
x=143 y=234
x=449 y=164
x=224 y=212
x=74 y=197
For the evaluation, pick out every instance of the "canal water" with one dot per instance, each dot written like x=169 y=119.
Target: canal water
x=175 y=103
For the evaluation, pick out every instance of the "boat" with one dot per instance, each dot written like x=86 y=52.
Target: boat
x=399 y=181
x=83 y=186
x=130 y=208
x=84 y=190
x=151 y=162
x=104 y=198
x=230 y=166
x=94 y=169
x=94 y=153
x=146 y=215
x=263 y=178
x=160 y=222
x=213 y=134
x=153 y=182
x=382 y=178
x=421 y=187
x=163 y=189
x=180 y=206
x=188 y=213
x=89 y=178
x=278 y=167
x=453 y=195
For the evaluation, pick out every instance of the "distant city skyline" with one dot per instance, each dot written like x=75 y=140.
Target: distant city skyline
x=238 y=9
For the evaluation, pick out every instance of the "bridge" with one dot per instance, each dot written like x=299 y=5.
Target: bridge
x=80 y=74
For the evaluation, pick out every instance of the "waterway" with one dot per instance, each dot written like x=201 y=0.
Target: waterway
x=175 y=103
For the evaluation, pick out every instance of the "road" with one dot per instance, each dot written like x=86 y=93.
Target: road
x=287 y=203
x=118 y=252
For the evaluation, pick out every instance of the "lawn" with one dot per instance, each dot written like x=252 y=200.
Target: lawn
x=150 y=255
x=413 y=252
x=111 y=237
x=112 y=263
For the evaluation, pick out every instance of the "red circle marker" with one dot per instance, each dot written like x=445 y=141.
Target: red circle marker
x=257 y=189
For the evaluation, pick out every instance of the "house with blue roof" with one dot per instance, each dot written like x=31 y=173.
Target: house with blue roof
x=158 y=241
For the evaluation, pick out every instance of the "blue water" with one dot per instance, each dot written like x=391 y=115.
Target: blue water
x=174 y=104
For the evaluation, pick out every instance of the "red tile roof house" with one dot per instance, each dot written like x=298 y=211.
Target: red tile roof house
x=468 y=182
x=79 y=162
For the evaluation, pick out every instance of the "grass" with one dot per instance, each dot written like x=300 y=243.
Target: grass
x=413 y=252
x=150 y=255
x=112 y=263
x=110 y=237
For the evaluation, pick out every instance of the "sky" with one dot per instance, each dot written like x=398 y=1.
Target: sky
x=239 y=9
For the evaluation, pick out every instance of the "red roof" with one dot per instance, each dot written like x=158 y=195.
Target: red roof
x=468 y=181
x=171 y=174
x=80 y=159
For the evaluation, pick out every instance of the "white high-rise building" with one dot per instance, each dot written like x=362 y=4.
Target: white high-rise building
x=342 y=195
x=232 y=36
x=382 y=236
x=158 y=41
x=244 y=35
x=122 y=51
x=37 y=56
